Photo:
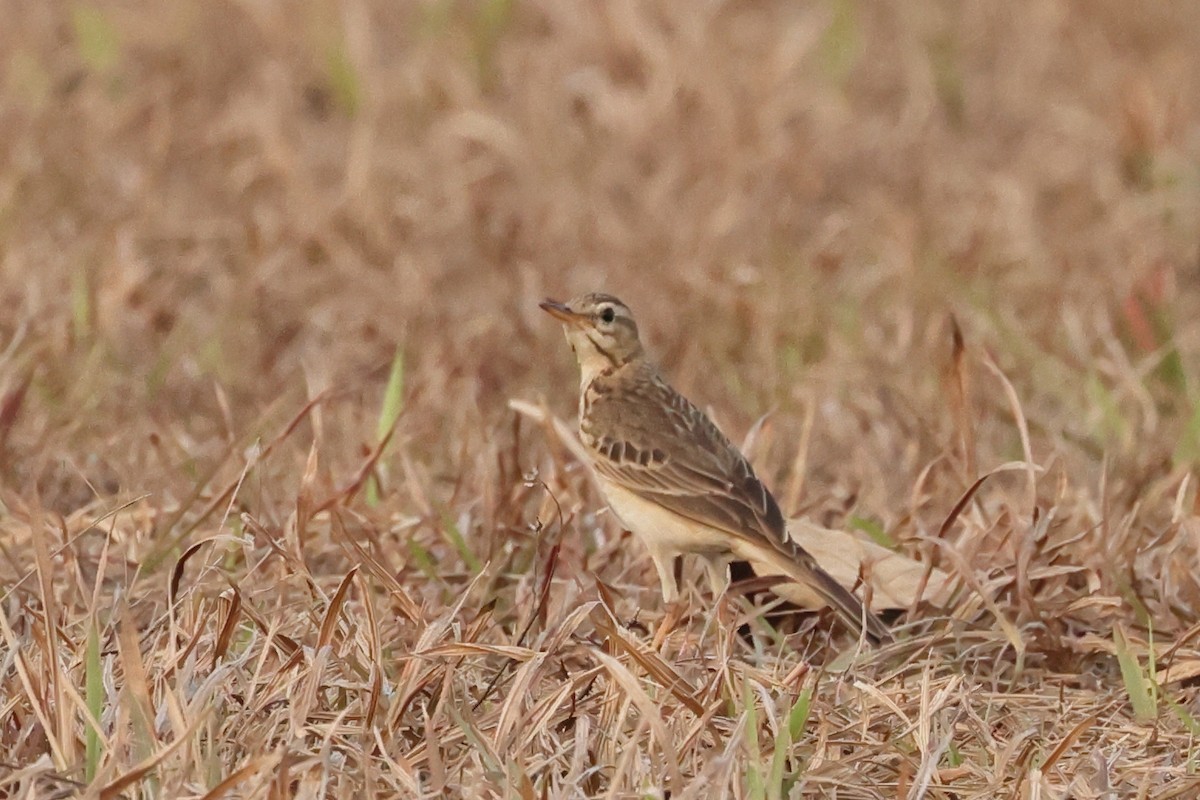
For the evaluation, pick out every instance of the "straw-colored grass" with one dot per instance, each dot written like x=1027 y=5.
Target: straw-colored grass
x=269 y=275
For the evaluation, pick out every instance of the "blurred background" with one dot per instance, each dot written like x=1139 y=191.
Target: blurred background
x=211 y=211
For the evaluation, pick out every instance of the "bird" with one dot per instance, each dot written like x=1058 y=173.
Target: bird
x=670 y=475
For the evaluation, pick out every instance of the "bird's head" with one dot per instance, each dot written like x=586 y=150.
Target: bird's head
x=600 y=329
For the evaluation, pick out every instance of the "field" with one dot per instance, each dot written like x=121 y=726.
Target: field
x=284 y=508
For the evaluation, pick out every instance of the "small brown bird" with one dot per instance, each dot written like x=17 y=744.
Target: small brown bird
x=672 y=477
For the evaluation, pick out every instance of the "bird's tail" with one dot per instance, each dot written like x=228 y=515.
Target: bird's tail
x=789 y=559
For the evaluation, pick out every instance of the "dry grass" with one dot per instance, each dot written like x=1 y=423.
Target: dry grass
x=225 y=573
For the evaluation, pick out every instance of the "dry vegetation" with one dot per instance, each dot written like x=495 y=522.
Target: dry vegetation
x=238 y=239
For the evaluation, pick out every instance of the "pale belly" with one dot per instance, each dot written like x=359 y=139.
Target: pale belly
x=662 y=531
x=666 y=535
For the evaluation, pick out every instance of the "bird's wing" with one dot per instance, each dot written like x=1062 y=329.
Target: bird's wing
x=671 y=452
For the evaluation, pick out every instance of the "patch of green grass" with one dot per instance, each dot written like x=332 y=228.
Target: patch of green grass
x=874 y=529
x=454 y=536
x=344 y=80
x=781 y=778
x=423 y=559
x=96 y=38
x=1187 y=451
x=492 y=19
x=1111 y=426
x=840 y=46
x=954 y=756
x=947 y=76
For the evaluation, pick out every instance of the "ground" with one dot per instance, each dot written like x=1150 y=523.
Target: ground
x=269 y=273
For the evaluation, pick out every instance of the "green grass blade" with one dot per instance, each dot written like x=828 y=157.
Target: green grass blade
x=1185 y=717
x=798 y=716
x=755 y=788
x=455 y=537
x=1137 y=685
x=778 y=783
x=393 y=403
x=423 y=559
x=94 y=696
x=873 y=529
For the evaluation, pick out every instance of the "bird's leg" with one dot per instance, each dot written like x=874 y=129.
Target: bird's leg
x=667 y=563
x=718 y=575
x=664 y=562
x=718 y=579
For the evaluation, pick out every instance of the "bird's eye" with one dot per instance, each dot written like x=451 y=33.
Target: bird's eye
x=608 y=315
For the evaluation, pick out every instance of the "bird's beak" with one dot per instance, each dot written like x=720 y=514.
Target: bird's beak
x=560 y=311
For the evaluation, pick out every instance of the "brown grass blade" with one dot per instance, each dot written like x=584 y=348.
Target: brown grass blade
x=113 y=790
x=795 y=485
x=651 y=662
x=59 y=713
x=329 y=622
x=180 y=564
x=234 y=779
x=1018 y=413
x=1072 y=736
x=347 y=493
x=406 y=604
x=375 y=656
x=477 y=649
x=961 y=401
x=650 y=712
x=137 y=687
x=34 y=694
x=10 y=407
x=257 y=456
x=233 y=607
